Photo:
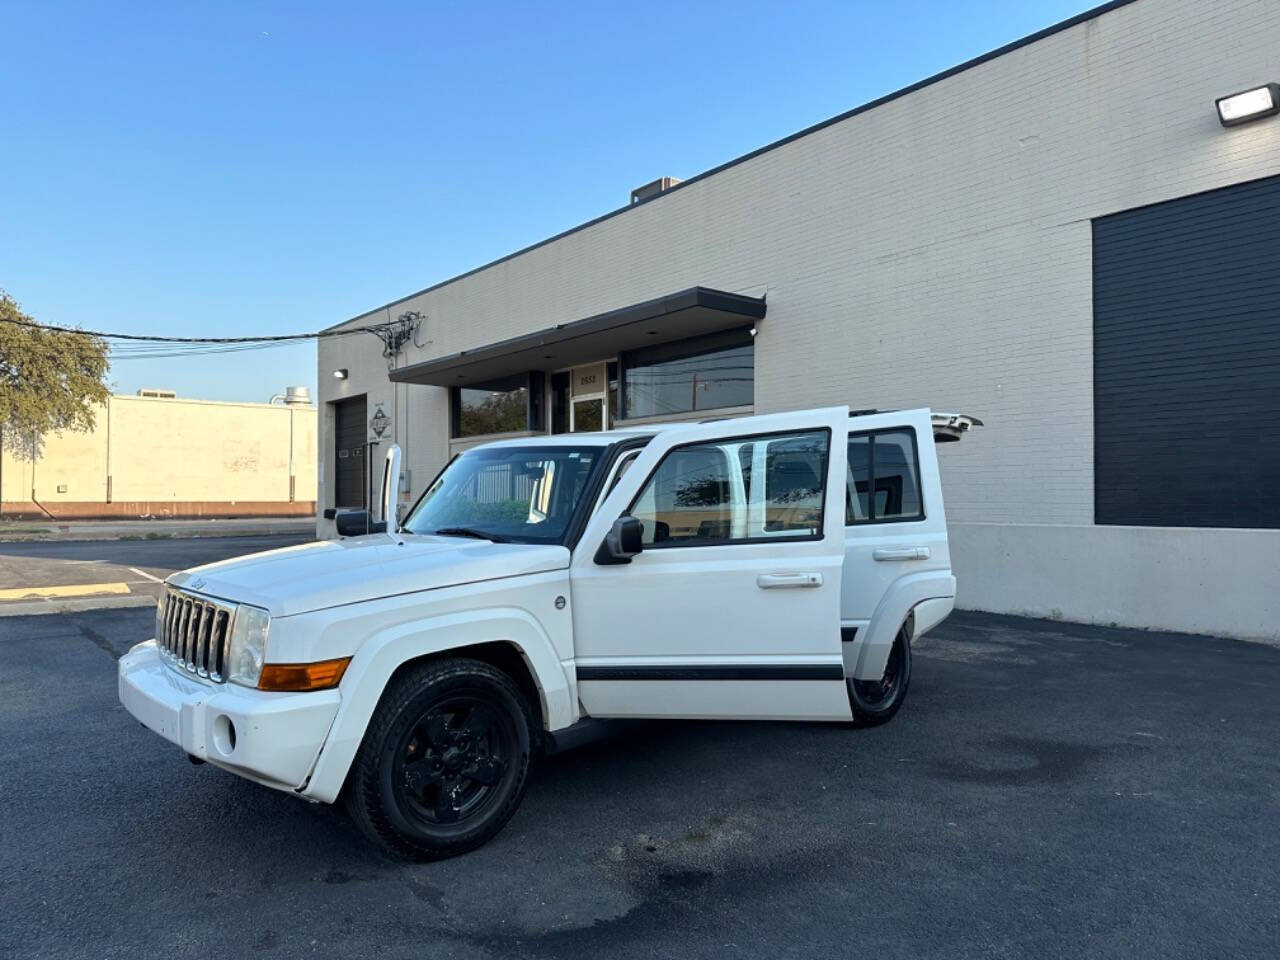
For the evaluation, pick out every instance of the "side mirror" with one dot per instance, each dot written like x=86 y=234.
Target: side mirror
x=624 y=540
x=356 y=523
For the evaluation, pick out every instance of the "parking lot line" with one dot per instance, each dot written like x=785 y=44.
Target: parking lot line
x=71 y=590
x=143 y=573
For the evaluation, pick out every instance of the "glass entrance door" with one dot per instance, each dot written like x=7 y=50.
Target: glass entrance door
x=584 y=398
x=587 y=415
x=590 y=391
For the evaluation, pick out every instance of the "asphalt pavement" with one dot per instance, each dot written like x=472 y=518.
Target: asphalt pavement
x=152 y=528
x=60 y=576
x=1048 y=791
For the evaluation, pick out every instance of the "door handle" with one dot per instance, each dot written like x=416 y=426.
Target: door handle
x=901 y=553
x=784 y=581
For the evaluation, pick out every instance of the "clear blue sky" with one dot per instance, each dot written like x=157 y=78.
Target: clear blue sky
x=269 y=168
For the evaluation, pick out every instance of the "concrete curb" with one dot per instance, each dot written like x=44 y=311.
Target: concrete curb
x=33 y=608
x=87 y=536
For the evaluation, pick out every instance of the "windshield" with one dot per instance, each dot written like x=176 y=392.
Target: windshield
x=523 y=494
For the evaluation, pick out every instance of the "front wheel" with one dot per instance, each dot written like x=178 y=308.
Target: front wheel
x=444 y=762
x=876 y=701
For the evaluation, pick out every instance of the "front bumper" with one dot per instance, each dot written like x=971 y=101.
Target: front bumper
x=273 y=738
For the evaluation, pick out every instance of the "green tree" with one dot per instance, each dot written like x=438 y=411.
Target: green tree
x=49 y=381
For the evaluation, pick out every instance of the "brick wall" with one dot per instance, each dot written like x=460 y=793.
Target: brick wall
x=934 y=250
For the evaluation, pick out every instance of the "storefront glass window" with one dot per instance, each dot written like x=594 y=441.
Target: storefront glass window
x=479 y=412
x=704 y=373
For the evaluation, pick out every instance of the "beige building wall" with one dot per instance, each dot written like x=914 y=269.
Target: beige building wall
x=936 y=250
x=149 y=457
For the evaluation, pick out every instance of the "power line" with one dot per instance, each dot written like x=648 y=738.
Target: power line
x=134 y=346
x=160 y=351
x=378 y=329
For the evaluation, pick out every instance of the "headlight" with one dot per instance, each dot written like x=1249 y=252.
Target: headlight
x=248 y=645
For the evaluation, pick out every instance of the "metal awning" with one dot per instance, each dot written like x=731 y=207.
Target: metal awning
x=688 y=313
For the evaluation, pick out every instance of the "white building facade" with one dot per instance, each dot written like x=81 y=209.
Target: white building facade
x=1061 y=238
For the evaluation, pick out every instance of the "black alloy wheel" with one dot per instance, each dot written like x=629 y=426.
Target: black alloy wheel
x=452 y=761
x=876 y=701
x=444 y=761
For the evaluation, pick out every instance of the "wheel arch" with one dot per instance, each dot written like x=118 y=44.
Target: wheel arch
x=895 y=607
x=503 y=654
x=508 y=638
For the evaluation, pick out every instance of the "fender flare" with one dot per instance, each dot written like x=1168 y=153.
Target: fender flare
x=380 y=655
x=895 y=605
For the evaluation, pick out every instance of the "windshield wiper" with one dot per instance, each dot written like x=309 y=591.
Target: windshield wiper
x=469 y=532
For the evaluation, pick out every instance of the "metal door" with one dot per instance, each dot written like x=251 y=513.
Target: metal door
x=350 y=433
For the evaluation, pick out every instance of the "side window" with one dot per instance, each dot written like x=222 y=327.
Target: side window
x=688 y=498
x=883 y=481
x=794 y=468
x=739 y=490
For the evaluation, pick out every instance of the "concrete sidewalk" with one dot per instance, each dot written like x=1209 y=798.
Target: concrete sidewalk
x=18 y=530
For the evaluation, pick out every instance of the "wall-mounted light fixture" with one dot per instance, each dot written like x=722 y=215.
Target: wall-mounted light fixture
x=340 y=374
x=1263 y=101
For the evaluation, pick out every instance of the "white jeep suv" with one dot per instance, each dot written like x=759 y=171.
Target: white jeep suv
x=771 y=567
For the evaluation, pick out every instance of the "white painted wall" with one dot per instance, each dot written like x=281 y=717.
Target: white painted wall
x=419 y=416
x=170 y=457
x=1163 y=578
x=936 y=251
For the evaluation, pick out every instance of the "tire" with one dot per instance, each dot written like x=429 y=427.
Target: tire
x=444 y=762
x=874 y=702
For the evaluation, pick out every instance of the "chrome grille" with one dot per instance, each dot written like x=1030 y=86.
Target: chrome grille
x=195 y=633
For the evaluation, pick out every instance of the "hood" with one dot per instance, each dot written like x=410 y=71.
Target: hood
x=330 y=573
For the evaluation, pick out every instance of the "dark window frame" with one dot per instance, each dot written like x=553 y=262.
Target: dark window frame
x=535 y=414
x=742 y=541
x=685 y=349
x=872 y=519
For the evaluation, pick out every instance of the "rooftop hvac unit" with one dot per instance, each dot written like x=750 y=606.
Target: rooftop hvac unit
x=661 y=185
x=293 y=397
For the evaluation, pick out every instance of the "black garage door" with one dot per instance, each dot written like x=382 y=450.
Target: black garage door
x=350 y=435
x=1186 y=331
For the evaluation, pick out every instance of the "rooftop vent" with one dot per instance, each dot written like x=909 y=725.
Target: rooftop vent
x=157 y=394
x=294 y=397
x=661 y=185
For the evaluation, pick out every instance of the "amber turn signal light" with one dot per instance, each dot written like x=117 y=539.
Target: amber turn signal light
x=302 y=676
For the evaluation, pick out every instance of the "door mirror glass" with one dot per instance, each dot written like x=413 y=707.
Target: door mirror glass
x=356 y=523
x=623 y=541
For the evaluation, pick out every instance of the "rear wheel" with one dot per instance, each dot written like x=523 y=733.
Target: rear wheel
x=444 y=762
x=876 y=701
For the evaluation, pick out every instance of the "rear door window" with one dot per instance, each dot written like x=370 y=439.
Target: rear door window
x=883 y=482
